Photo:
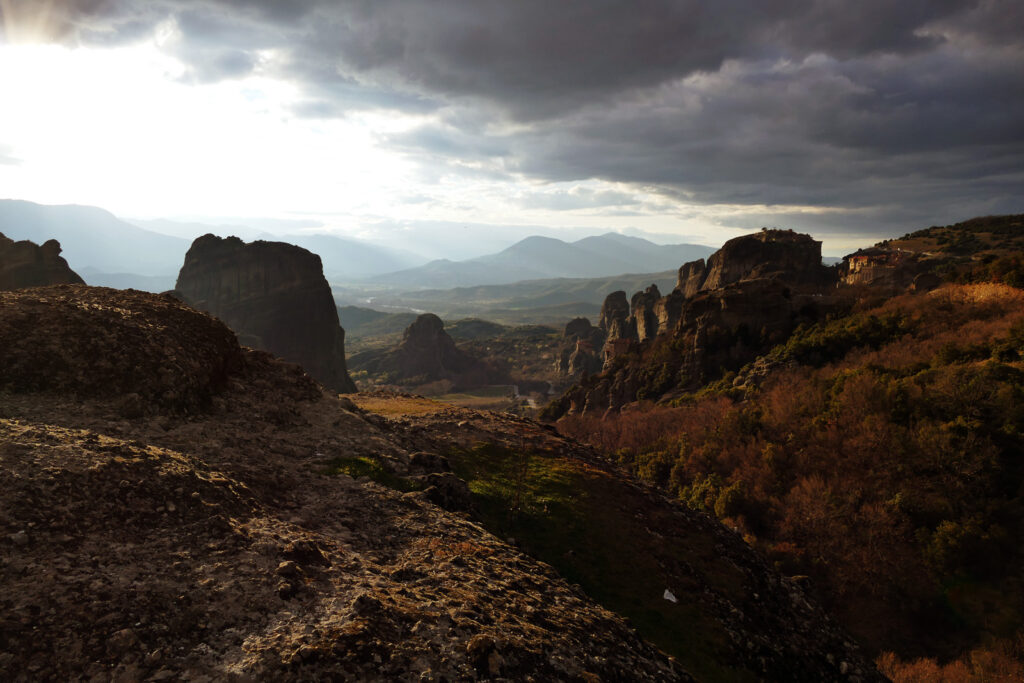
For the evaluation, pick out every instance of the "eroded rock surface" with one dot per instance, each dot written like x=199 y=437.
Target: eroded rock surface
x=615 y=317
x=151 y=352
x=580 y=350
x=274 y=296
x=642 y=312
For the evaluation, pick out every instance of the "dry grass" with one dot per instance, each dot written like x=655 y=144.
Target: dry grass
x=984 y=292
x=397 y=406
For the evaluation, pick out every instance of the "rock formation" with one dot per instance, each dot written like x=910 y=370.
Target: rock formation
x=641 y=310
x=25 y=264
x=668 y=309
x=427 y=354
x=580 y=350
x=777 y=254
x=274 y=296
x=615 y=317
x=691 y=277
x=750 y=294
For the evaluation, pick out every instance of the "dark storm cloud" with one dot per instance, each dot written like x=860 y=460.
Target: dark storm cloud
x=534 y=57
x=872 y=105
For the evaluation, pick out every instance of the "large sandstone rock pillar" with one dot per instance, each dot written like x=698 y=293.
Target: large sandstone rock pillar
x=275 y=297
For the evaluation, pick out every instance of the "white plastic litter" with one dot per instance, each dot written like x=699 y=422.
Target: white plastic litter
x=668 y=596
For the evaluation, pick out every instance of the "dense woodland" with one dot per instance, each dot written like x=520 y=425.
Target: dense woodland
x=882 y=456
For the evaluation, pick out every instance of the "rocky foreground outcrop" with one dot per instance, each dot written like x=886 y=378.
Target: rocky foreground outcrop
x=274 y=296
x=26 y=264
x=150 y=352
x=218 y=546
x=427 y=354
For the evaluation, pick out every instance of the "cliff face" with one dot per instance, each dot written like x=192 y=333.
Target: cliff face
x=275 y=297
x=691 y=277
x=25 y=264
x=883 y=268
x=615 y=317
x=750 y=295
x=641 y=310
x=580 y=351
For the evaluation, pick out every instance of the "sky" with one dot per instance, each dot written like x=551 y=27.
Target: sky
x=688 y=120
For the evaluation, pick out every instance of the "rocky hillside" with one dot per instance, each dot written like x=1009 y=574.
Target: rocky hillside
x=232 y=520
x=879 y=454
x=274 y=296
x=26 y=264
x=220 y=545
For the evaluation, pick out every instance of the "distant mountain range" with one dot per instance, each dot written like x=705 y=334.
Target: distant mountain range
x=548 y=301
x=96 y=243
x=107 y=250
x=536 y=258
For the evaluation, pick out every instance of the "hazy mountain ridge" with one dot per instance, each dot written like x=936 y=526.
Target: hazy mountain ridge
x=537 y=257
x=548 y=300
x=109 y=251
x=93 y=238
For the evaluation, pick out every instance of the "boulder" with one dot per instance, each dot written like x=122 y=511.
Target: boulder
x=274 y=296
x=26 y=264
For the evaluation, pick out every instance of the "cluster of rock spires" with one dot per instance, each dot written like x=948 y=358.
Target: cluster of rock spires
x=749 y=294
x=25 y=264
x=427 y=354
x=274 y=296
x=769 y=255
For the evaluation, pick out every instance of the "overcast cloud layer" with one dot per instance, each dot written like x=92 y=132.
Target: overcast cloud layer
x=895 y=113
